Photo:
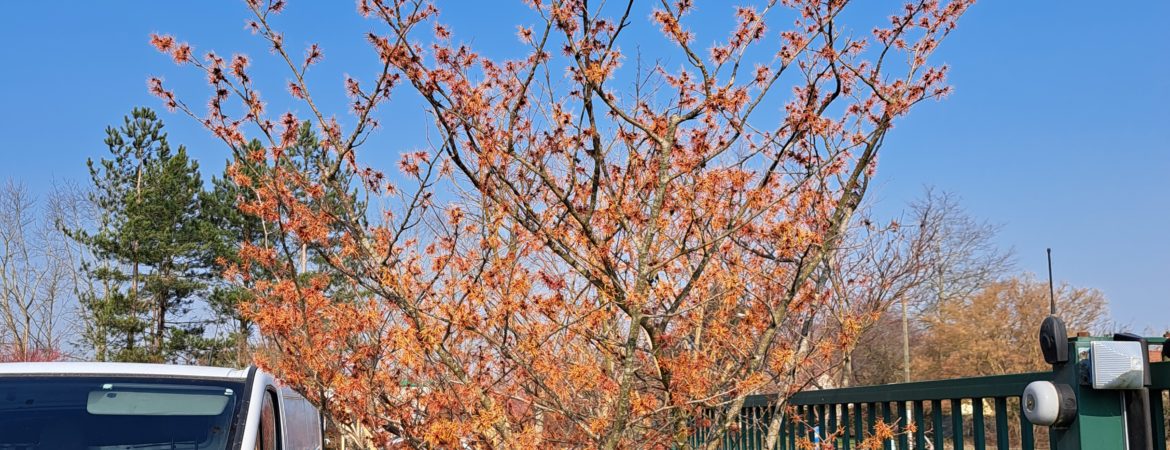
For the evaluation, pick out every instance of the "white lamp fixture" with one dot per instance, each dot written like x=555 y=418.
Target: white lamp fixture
x=1048 y=404
x=1117 y=365
x=1041 y=403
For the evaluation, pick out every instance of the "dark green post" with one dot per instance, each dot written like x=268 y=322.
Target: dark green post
x=1100 y=422
x=978 y=431
x=903 y=422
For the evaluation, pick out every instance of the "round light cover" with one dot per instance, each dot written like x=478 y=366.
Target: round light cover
x=1041 y=403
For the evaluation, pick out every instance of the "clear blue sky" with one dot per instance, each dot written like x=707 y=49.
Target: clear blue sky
x=1059 y=128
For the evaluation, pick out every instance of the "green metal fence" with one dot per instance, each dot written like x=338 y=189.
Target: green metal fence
x=843 y=417
x=969 y=413
x=1160 y=402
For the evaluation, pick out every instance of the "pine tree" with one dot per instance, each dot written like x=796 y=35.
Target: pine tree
x=149 y=246
x=234 y=227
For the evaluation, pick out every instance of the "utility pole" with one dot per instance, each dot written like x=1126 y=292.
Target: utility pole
x=905 y=341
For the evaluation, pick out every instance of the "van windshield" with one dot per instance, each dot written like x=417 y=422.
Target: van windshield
x=107 y=413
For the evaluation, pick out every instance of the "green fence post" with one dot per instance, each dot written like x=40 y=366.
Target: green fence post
x=792 y=432
x=903 y=423
x=978 y=430
x=888 y=419
x=919 y=425
x=820 y=423
x=845 y=427
x=809 y=421
x=1027 y=439
x=831 y=430
x=1002 y=436
x=1100 y=422
x=859 y=436
x=957 y=422
x=936 y=422
x=1159 y=419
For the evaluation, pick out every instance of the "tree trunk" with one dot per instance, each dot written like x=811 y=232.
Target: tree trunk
x=133 y=298
x=242 y=357
x=905 y=342
x=847 y=369
x=134 y=272
x=160 y=322
x=100 y=329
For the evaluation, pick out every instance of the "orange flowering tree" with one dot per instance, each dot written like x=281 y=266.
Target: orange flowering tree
x=594 y=253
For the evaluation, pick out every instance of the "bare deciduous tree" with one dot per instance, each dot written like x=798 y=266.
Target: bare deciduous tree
x=878 y=267
x=38 y=271
x=966 y=258
x=934 y=255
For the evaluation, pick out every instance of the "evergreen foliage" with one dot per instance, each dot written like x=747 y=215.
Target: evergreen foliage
x=162 y=242
x=150 y=247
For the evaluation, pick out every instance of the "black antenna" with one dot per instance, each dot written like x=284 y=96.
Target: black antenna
x=1051 y=291
x=1053 y=335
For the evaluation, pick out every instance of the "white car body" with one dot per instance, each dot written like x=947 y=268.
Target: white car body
x=299 y=425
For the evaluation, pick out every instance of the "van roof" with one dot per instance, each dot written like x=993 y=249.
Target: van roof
x=108 y=368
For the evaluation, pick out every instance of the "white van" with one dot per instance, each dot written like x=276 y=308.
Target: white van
x=108 y=406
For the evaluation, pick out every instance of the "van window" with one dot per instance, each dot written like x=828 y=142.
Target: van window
x=269 y=437
x=106 y=413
